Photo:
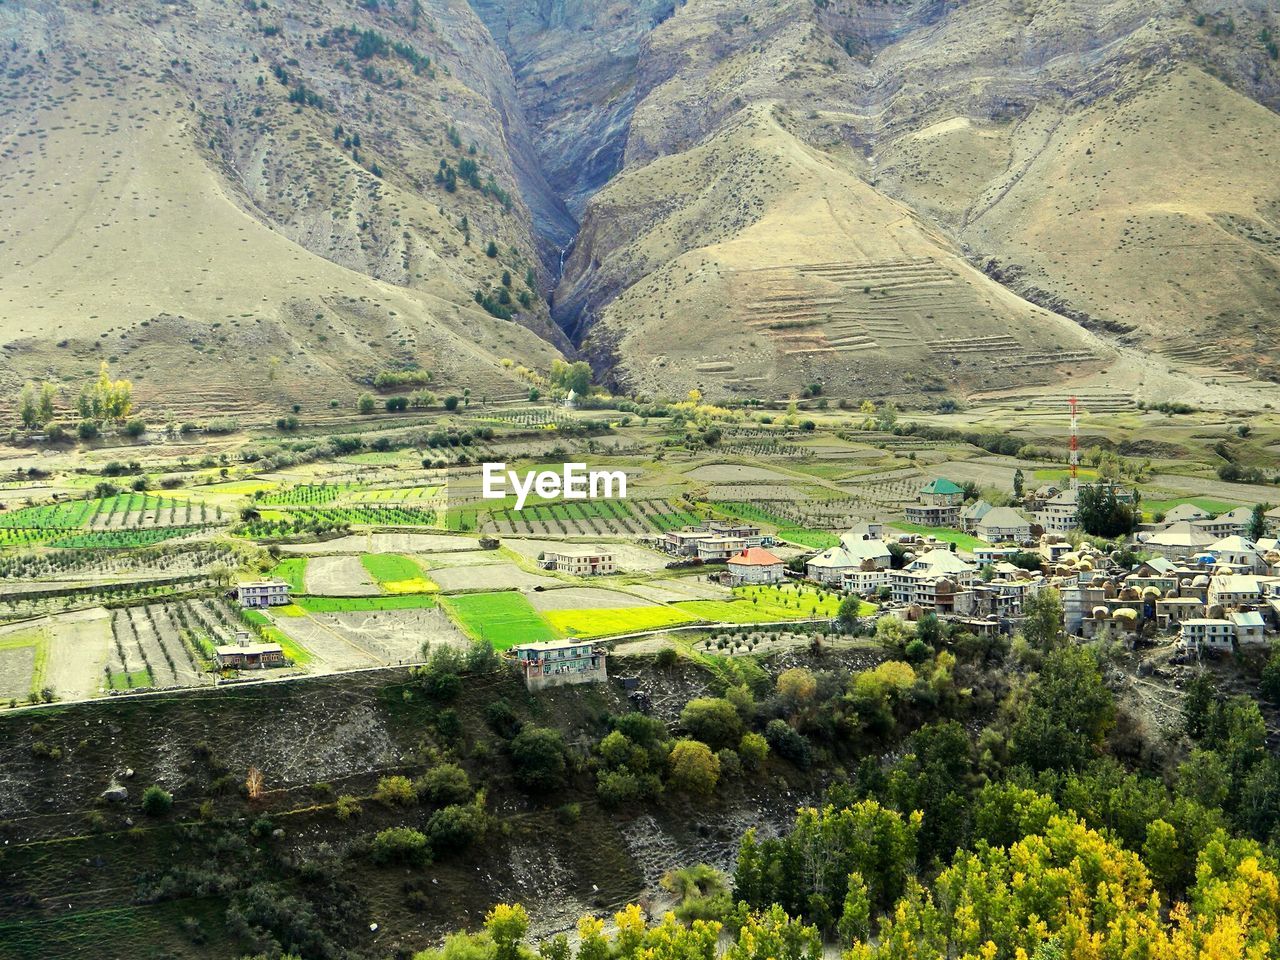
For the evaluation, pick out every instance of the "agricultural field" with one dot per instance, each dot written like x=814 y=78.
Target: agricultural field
x=293 y=571
x=502 y=619
x=492 y=576
x=395 y=573
x=611 y=621
x=613 y=518
x=340 y=576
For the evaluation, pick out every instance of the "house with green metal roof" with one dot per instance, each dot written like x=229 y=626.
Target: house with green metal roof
x=939 y=505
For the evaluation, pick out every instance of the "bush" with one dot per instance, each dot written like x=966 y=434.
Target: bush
x=135 y=428
x=667 y=657
x=446 y=784
x=617 y=788
x=538 y=755
x=694 y=768
x=348 y=807
x=395 y=791
x=753 y=750
x=788 y=743
x=400 y=845
x=156 y=801
x=456 y=827
x=712 y=720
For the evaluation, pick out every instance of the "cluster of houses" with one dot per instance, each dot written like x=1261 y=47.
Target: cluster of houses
x=714 y=541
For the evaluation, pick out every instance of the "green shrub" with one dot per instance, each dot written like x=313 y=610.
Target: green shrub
x=400 y=845
x=156 y=801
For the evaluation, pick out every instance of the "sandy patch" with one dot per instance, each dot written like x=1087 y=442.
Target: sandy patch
x=584 y=598
x=343 y=576
x=493 y=576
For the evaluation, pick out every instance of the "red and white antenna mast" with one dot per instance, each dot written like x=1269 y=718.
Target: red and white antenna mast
x=1075 y=445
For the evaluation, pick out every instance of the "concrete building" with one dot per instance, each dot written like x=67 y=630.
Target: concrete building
x=579 y=561
x=1178 y=541
x=932 y=580
x=1057 y=514
x=1233 y=523
x=971 y=513
x=860 y=549
x=1003 y=525
x=1238 y=553
x=1172 y=611
x=938 y=506
x=1205 y=633
x=558 y=663
x=1185 y=513
x=755 y=565
x=1249 y=625
x=865 y=583
x=249 y=654
x=1234 y=590
x=263 y=593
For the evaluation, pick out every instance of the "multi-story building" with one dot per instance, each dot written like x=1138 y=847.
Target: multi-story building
x=557 y=663
x=754 y=565
x=579 y=561
x=263 y=593
x=939 y=504
x=1205 y=633
x=1003 y=525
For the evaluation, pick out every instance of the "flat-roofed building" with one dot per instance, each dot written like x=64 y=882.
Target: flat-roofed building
x=557 y=663
x=579 y=561
x=263 y=593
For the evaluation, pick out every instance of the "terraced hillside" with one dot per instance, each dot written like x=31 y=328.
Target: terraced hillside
x=756 y=264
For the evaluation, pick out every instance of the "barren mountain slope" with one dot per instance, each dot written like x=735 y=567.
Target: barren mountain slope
x=245 y=195
x=971 y=114
x=757 y=264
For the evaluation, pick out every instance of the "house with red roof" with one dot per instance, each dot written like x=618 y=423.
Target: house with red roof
x=754 y=565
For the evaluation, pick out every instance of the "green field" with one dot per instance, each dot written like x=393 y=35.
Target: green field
x=769 y=608
x=292 y=571
x=396 y=574
x=1208 y=504
x=607 y=622
x=962 y=540
x=501 y=619
x=787 y=529
x=408 y=601
x=269 y=632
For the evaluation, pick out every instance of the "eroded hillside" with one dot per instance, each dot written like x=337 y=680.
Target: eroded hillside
x=739 y=195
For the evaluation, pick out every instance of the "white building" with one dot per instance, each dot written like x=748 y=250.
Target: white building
x=972 y=513
x=1179 y=541
x=579 y=561
x=1208 y=634
x=263 y=593
x=1249 y=627
x=1058 y=514
x=755 y=565
x=1237 y=552
x=938 y=573
x=1002 y=525
x=865 y=583
x=860 y=549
